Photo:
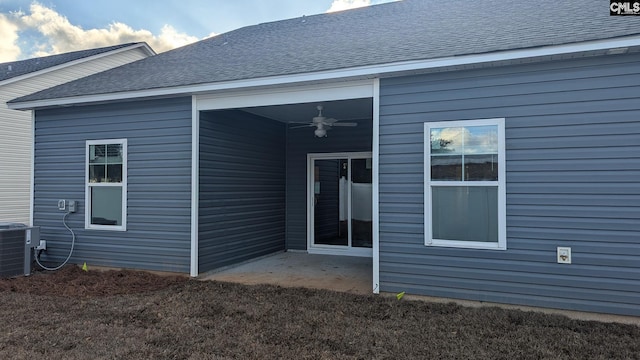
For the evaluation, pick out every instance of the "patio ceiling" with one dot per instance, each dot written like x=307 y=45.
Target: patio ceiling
x=352 y=109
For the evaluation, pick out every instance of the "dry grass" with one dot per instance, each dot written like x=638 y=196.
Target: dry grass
x=135 y=315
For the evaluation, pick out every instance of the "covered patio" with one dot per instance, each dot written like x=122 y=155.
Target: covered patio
x=299 y=269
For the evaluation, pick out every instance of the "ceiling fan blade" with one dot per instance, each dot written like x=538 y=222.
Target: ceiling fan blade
x=352 y=124
x=301 y=126
x=298 y=122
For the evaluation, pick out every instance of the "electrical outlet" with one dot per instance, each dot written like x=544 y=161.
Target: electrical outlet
x=564 y=255
x=62 y=205
x=42 y=245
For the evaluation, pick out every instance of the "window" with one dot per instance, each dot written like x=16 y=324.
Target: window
x=106 y=179
x=465 y=184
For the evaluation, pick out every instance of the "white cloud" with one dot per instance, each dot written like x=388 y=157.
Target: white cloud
x=339 y=5
x=9 y=49
x=59 y=35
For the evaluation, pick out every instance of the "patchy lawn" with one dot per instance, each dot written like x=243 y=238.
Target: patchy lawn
x=71 y=314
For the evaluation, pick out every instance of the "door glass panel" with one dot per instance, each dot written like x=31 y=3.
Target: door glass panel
x=361 y=203
x=330 y=202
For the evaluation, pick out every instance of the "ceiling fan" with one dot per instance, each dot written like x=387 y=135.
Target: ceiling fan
x=322 y=123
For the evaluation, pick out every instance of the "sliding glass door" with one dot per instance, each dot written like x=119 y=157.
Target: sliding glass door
x=340 y=210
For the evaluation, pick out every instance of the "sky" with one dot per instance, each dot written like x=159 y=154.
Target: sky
x=46 y=27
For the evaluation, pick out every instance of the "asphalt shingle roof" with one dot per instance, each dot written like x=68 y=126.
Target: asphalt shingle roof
x=9 y=70
x=375 y=35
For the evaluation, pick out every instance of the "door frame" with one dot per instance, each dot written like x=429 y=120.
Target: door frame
x=331 y=249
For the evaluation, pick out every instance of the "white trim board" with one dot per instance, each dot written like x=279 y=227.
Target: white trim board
x=375 y=207
x=372 y=71
x=195 y=186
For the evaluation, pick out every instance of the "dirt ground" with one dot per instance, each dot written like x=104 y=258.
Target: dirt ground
x=72 y=314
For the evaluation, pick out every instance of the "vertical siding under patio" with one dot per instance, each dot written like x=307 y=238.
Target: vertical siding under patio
x=573 y=164
x=242 y=188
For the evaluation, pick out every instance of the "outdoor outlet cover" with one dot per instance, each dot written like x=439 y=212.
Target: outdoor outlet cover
x=564 y=255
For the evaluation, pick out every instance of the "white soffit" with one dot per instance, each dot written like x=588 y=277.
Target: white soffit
x=288 y=95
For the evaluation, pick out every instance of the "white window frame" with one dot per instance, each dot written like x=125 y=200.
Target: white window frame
x=501 y=244
x=88 y=186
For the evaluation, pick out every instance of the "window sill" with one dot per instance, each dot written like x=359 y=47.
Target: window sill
x=105 y=227
x=465 y=244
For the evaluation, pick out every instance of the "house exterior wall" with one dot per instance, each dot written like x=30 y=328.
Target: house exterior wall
x=572 y=170
x=15 y=162
x=158 y=133
x=16 y=132
x=242 y=188
x=301 y=142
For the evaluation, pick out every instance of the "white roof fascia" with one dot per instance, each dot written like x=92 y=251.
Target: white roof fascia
x=342 y=74
x=148 y=50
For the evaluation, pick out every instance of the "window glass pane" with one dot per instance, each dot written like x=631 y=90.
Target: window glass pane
x=105 y=163
x=464 y=153
x=97 y=154
x=446 y=141
x=446 y=167
x=114 y=154
x=481 y=139
x=465 y=213
x=481 y=167
x=114 y=173
x=106 y=205
x=96 y=173
x=361 y=203
x=331 y=208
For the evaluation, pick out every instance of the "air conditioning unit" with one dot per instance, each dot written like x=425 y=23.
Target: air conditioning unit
x=16 y=248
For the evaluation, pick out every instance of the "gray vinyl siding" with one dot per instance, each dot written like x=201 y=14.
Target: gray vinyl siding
x=301 y=142
x=242 y=188
x=159 y=183
x=572 y=170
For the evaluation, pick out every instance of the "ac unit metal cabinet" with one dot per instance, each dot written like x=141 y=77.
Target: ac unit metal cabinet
x=16 y=243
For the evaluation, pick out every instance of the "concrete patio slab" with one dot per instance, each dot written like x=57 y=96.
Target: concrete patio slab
x=295 y=269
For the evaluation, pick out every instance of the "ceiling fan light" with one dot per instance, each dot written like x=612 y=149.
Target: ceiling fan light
x=320 y=133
